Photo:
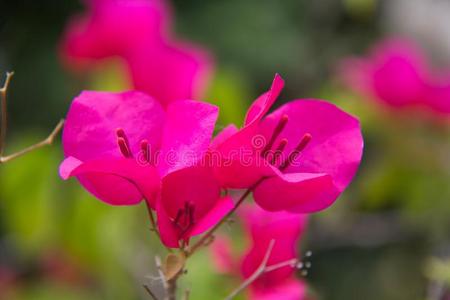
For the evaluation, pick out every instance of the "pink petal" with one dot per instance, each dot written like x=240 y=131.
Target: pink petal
x=90 y=128
x=187 y=134
x=241 y=171
x=67 y=166
x=438 y=98
x=222 y=255
x=396 y=72
x=171 y=72
x=137 y=32
x=116 y=181
x=223 y=136
x=259 y=223
x=356 y=73
x=398 y=81
x=262 y=105
x=336 y=145
x=263 y=226
x=213 y=216
x=292 y=289
x=237 y=163
x=296 y=192
x=169 y=233
x=195 y=185
x=113 y=28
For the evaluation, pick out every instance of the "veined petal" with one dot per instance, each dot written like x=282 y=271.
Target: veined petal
x=223 y=136
x=213 y=216
x=94 y=117
x=194 y=185
x=336 y=145
x=116 y=181
x=237 y=163
x=296 y=192
x=187 y=134
x=262 y=104
x=170 y=234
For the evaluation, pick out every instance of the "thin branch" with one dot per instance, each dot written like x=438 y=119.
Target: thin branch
x=4 y=115
x=160 y=272
x=153 y=226
x=172 y=290
x=4 y=126
x=170 y=286
x=48 y=141
x=187 y=294
x=152 y=218
x=209 y=235
x=259 y=271
x=288 y=263
x=149 y=291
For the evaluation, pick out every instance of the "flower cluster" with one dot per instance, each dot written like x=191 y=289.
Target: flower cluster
x=398 y=74
x=155 y=145
x=108 y=136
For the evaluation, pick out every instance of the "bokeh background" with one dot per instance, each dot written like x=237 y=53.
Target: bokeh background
x=388 y=237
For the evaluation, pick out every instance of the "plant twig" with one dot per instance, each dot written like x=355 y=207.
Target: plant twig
x=259 y=271
x=209 y=235
x=187 y=294
x=149 y=291
x=152 y=218
x=48 y=141
x=264 y=268
x=288 y=263
x=4 y=125
x=160 y=272
x=172 y=289
x=4 y=115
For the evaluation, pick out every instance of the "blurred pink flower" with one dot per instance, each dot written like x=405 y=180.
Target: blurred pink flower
x=261 y=227
x=121 y=145
x=397 y=73
x=303 y=154
x=138 y=32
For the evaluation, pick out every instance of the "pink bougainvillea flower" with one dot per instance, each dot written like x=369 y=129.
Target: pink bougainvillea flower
x=262 y=227
x=190 y=204
x=121 y=145
x=137 y=32
x=397 y=74
x=304 y=154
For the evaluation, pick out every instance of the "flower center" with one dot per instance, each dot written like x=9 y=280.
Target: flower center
x=184 y=219
x=272 y=156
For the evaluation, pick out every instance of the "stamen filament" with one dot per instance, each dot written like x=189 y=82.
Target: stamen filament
x=178 y=217
x=276 y=132
x=145 y=148
x=293 y=155
x=278 y=151
x=191 y=215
